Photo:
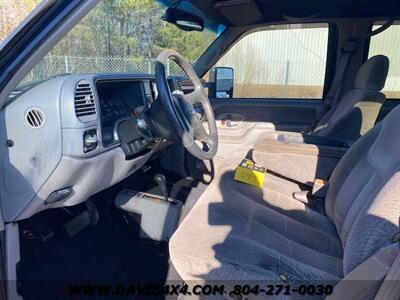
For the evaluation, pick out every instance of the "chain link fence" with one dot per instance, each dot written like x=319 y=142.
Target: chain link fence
x=278 y=79
x=271 y=78
x=272 y=72
x=52 y=65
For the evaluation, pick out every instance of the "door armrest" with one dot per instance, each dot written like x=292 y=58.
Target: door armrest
x=298 y=160
x=312 y=139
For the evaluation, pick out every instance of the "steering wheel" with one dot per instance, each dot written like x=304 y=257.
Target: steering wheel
x=180 y=111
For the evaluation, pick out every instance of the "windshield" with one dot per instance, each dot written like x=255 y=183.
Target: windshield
x=122 y=36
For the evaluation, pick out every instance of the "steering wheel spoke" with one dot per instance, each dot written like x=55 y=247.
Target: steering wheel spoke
x=209 y=140
x=194 y=97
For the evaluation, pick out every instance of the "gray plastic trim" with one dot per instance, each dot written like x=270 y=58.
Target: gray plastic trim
x=13 y=257
x=86 y=177
x=43 y=160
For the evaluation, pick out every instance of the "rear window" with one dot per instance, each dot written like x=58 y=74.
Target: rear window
x=388 y=43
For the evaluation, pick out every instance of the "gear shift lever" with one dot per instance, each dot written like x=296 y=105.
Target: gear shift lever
x=162 y=183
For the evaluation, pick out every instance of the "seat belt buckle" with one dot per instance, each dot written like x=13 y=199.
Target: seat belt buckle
x=320 y=188
x=302 y=196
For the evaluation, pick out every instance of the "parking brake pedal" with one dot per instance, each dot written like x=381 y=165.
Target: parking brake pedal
x=90 y=216
x=93 y=212
x=41 y=232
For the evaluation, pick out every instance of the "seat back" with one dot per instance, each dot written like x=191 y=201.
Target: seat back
x=358 y=109
x=363 y=198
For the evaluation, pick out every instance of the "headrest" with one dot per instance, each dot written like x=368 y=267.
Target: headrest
x=384 y=153
x=373 y=73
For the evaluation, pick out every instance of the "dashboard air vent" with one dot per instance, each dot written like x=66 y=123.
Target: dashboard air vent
x=85 y=107
x=179 y=86
x=35 y=118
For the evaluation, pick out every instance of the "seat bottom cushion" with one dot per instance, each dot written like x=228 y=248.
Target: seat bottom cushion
x=239 y=232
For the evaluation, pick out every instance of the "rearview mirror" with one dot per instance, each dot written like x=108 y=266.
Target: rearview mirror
x=183 y=19
x=221 y=82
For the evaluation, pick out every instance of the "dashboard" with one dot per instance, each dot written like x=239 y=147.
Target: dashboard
x=72 y=136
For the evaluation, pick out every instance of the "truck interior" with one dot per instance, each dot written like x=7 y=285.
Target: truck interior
x=130 y=177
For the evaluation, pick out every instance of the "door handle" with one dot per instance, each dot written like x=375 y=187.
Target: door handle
x=230 y=120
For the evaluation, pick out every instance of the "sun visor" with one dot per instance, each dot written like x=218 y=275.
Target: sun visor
x=239 y=12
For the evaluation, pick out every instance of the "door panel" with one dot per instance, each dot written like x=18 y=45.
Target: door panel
x=241 y=121
x=282 y=114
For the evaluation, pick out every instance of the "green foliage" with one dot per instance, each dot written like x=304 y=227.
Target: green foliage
x=12 y=13
x=190 y=44
x=130 y=28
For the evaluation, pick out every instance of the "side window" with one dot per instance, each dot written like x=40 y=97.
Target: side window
x=387 y=43
x=286 y=61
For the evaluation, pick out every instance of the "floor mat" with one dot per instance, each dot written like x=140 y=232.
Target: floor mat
x=107 y=252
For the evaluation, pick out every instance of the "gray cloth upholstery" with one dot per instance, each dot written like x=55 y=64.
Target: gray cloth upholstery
x=372 y=74
x=369 y=176
x=353 y=116
x=358 y=109
x=233 y=233
x=365 y=280
x=295 y=160
x=348 y=120
x=239 y=232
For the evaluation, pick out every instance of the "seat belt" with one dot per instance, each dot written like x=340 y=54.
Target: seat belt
x=390 y=287
x=366 y=280
x=332 y=98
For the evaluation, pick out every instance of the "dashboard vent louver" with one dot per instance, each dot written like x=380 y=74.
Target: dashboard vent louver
x=35 y=118
x=179 y=86
x=85 y=106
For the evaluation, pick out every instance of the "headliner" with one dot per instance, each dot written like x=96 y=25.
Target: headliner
x=262 y=11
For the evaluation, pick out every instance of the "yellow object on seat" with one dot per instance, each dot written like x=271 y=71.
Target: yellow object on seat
x=250 y=173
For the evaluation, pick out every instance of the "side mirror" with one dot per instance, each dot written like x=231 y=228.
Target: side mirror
x=183 y=19
x=221 y=82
